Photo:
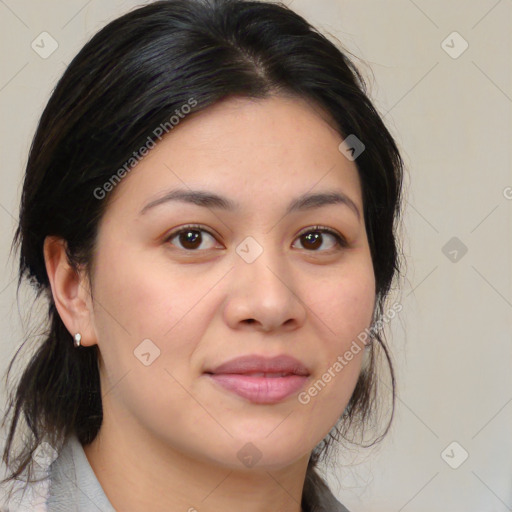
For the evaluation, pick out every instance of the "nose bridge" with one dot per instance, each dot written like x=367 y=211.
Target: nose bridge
x=260 y=263
x=262 y=286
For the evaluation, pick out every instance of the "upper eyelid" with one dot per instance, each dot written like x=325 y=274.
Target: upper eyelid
x=191 y=227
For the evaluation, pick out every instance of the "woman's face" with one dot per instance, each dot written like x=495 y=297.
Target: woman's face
x=253 y=279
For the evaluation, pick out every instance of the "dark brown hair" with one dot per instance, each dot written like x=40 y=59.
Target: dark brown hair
x=130 y=78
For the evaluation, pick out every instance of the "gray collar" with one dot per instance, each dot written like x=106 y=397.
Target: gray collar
x=72 y=480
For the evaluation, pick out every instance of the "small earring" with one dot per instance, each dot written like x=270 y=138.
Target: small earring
x=78 y=339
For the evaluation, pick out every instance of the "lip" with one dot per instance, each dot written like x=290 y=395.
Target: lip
x=261 y=364
x=235 y=376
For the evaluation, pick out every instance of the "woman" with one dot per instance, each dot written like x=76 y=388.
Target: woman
x=210 y=206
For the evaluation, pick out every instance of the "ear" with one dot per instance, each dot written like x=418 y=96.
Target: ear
x=70 y=291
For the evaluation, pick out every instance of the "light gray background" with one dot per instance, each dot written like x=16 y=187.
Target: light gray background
x=452 y=119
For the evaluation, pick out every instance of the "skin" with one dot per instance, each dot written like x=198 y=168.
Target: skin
x=170 y=437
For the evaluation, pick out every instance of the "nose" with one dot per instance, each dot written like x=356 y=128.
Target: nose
x=262 y=295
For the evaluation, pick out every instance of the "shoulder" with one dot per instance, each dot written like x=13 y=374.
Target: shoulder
x=25 y=496
x=20 y=496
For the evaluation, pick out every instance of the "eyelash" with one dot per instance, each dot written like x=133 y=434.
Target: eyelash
x=341 y=242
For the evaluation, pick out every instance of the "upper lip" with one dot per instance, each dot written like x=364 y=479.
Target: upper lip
x=262 y=364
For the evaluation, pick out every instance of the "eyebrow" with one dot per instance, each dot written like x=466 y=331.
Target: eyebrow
x=207 y=199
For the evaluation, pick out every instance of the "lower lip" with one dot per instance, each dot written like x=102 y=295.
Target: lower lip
x=260 y=390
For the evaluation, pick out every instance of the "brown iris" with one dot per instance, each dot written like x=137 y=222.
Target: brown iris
x=314 y=238
x=190 y=239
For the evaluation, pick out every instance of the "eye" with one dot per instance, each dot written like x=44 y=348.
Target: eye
x=313 y=238
x=191 y=237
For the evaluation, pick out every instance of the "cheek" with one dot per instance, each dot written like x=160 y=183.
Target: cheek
x=141 y=296
x=143 y=299
x=343 y=306
x=134 y=303
x=139 y=300
x=342 y=311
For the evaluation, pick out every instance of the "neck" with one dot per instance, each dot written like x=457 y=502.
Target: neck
x=139 y=472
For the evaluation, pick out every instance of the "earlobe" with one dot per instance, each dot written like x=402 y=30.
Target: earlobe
x=69 y=291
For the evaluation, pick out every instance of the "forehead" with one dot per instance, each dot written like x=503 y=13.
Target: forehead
x=254 y=150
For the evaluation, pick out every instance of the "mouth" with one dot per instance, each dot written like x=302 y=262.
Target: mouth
x=259 y=379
